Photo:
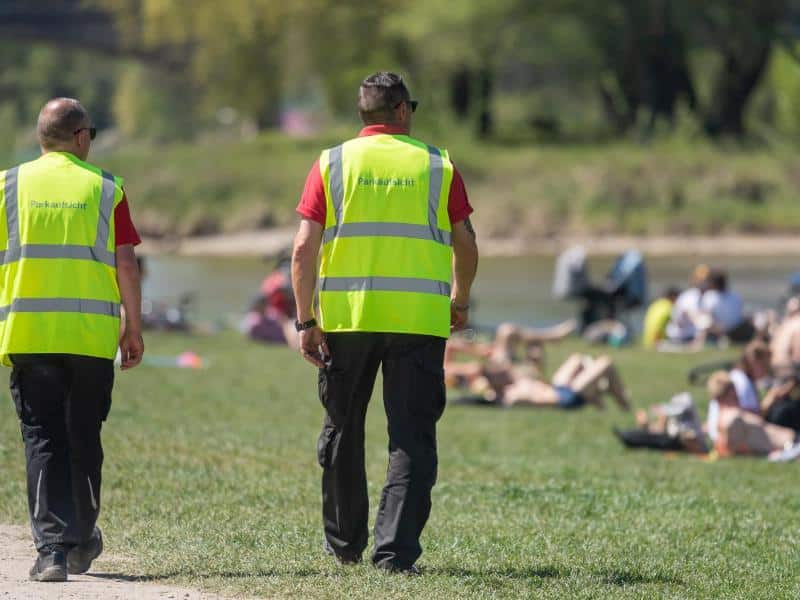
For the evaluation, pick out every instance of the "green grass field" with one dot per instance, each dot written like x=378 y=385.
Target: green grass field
x=211 y=481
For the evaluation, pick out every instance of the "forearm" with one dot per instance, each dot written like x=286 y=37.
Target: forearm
x=465 y=265
x=304 y=269
x=304 y=282
x=130 y=291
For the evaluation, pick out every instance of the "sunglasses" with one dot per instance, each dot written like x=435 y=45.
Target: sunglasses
x=92 y=132
x=412 y=103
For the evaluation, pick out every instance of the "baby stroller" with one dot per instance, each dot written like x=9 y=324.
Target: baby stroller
x=623 y=289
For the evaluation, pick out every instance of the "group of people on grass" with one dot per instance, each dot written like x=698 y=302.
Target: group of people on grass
x=754 y=405
x=705 y=312
x=753 y=409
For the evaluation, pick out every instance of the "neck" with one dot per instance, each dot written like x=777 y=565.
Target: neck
x=70 y=149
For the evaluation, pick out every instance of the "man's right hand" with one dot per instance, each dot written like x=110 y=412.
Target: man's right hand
x=131 y=346
x=311 y=342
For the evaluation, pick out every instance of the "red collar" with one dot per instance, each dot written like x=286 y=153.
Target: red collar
x=383 y=129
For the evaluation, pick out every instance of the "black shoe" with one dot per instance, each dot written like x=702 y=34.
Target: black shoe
x=340 y=558
x=80 y=558
x=50 y=565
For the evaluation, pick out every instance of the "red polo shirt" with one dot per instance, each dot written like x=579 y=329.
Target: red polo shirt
x=312 y=202
x=124 y=231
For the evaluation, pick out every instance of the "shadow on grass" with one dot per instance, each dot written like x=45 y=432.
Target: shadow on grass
x=623 y=578
x=546 y=572
x=207 y=575
x=618 y=577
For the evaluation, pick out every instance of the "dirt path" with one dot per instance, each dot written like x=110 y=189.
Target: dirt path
x=17 y=556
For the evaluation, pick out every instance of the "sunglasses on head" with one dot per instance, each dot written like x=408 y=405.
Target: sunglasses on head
x=412 y=103
x=92 y=132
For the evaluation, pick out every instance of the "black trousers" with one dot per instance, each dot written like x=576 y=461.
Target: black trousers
x=62 y=401
x=414 y=399
x=785 y=412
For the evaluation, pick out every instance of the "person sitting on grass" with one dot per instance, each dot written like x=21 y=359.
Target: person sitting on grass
x=657 y=318
x=750 y=371
x=579 y=380
x=721 y=314
x=740 y=432
x=681 y=328
x=785 y=342
x=263 y=323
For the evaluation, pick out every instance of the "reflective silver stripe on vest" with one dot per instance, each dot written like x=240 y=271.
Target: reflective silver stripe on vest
x=12 y=212
x=336 y=178
x=430 y=232
x=106 y=206
x=98 y=253
x=405 y=230
x=434 y=187
x=62 y=305
x=385 y=284
x=58 y=251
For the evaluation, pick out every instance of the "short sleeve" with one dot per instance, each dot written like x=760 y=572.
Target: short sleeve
x=458 y=206
x=124 y=231
x=312 y=203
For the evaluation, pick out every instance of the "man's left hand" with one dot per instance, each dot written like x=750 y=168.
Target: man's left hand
x=313 y=347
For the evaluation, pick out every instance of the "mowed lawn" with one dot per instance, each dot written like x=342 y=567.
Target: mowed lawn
x=211 y=480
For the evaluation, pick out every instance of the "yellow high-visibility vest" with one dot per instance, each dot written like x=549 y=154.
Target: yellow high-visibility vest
x=58 y=284
x=386 y=261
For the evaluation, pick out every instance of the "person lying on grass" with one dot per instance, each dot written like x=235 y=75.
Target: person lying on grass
x=580 y=380
x=673 y=425
x=741 y=432
x=512 y=344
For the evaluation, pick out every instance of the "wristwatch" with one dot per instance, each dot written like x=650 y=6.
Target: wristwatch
x=307 y=325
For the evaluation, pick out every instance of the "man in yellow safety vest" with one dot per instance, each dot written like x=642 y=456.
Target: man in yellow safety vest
x=391 y=216
x=66 y=264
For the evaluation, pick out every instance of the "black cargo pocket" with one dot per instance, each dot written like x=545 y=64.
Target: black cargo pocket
x=16 y=391
x=429 y=396
x=327 y=446
x=334 y=394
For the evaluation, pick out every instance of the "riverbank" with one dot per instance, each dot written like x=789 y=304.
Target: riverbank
x=523 y=194
x=270 y=242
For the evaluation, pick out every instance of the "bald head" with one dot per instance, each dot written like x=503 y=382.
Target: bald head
x=58 y=121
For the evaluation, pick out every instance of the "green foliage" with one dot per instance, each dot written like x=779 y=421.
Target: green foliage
x=784 y=87
x=551 y=70
x=150 y=105
x=211 y=480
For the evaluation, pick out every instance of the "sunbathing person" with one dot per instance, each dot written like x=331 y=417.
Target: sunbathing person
x=740 y=432
x=785 y=344
x=673 y=425
x=512 y=343
x=750 y=371
x=579 y=380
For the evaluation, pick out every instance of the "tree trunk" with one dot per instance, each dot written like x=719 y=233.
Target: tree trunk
x=733 y=89
x=460 y=92
x=485 y=91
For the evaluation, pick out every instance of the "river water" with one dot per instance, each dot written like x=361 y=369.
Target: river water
x=507 y=289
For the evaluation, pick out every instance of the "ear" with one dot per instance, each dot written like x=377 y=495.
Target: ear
x=402 y=112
